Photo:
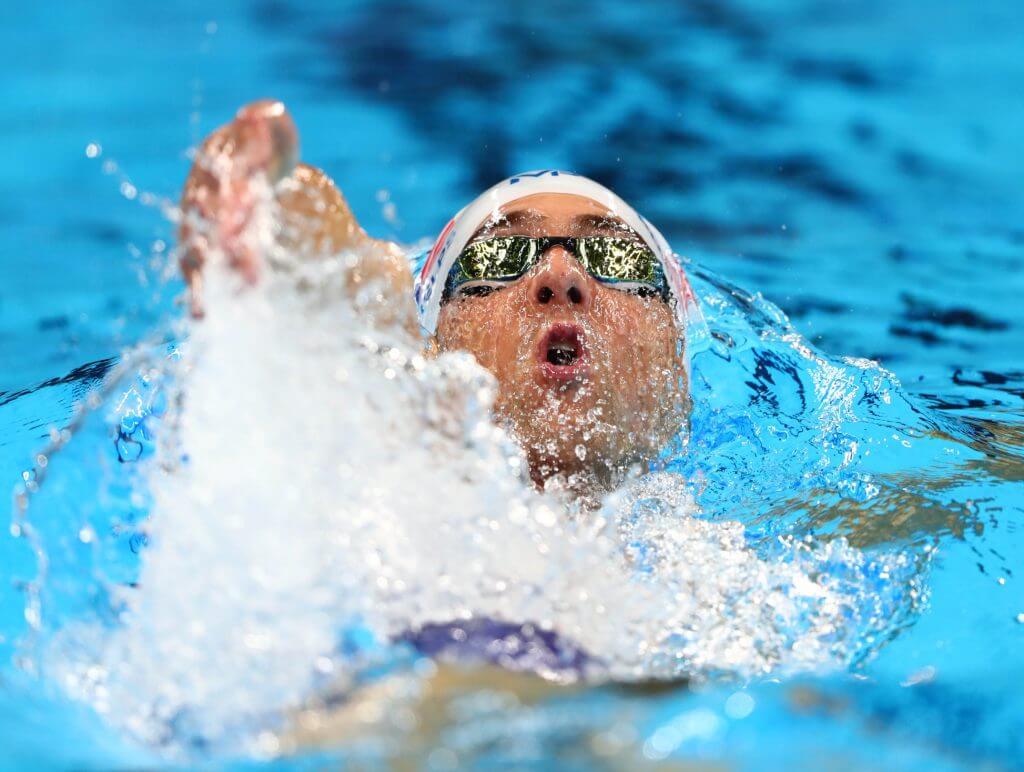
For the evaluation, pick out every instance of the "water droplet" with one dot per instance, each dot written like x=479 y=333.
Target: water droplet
x=442 y=758
x=325 y=665
x=545 y=516
x=739 y=705
x=922 y=676
x=268 y=743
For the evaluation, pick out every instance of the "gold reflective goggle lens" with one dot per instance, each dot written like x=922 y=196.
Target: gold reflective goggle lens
x=498 y=259
x=606 y=258
x=618 y=260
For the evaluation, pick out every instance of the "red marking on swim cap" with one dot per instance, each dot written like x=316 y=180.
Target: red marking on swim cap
x=428 y=266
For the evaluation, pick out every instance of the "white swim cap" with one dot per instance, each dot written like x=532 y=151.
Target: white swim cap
x=461 y=228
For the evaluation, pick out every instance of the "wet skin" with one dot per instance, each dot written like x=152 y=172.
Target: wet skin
x=219 y=197
x=591 y=380
x=619 y=396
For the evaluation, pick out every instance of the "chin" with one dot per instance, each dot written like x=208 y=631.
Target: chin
x=560 y=434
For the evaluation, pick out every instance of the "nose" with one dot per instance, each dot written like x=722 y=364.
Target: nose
x=559 y=279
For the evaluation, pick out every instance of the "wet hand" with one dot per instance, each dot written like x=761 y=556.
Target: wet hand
x=259 y=147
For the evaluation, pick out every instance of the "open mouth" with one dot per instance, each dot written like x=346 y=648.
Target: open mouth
x=562 y=353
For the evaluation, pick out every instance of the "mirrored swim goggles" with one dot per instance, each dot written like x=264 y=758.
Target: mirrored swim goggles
x=623 y=263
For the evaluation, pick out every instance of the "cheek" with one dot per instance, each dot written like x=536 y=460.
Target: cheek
x=487 y=329
x=640 y=341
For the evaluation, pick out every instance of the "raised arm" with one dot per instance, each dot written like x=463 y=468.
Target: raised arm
x=221 y=195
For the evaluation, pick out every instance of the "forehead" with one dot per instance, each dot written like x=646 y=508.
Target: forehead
x=557 y=205
x=550 y=213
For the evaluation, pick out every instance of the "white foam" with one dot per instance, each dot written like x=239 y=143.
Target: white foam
x=335 y=477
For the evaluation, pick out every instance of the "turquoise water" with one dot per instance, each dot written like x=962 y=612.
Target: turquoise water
x=853 y=166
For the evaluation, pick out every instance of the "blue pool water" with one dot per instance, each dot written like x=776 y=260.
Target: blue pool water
x=855 y=165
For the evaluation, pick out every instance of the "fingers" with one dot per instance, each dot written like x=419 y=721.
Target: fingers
x=218 y=200
x=244 y=259
x=191 y=263
x=261 y=109
x=270 y=139
x=195 y=297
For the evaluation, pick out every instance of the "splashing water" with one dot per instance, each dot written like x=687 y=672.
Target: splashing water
x=319 y=489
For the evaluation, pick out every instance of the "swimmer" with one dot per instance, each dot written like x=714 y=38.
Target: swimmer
x=569 y=298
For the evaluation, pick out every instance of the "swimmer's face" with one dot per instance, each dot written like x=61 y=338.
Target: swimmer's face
x=590 y=378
